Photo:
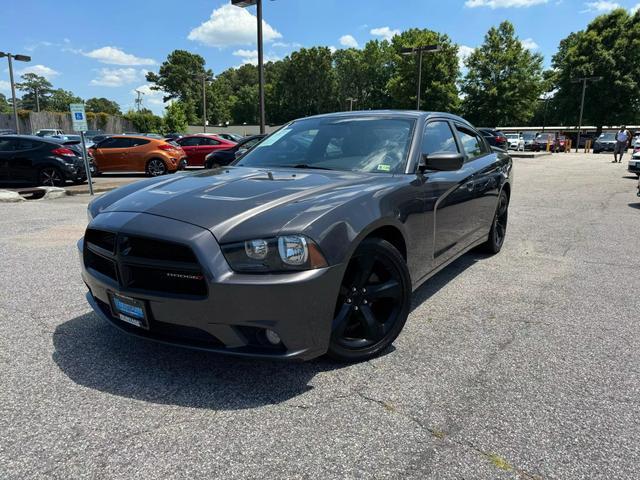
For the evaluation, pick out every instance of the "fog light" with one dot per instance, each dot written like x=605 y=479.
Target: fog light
x=272 y=336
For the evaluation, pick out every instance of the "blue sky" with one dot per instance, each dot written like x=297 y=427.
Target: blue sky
x=105 y=51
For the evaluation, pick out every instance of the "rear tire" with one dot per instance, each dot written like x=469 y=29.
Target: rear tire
x=498 y=227
x=373 y=303
x=156 y=167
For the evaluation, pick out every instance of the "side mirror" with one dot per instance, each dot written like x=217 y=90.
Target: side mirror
x=441 y=161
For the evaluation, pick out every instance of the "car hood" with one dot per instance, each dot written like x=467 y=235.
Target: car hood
x=237 y=203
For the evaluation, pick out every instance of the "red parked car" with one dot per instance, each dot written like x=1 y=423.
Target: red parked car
x=197 y=147
x=557 y=144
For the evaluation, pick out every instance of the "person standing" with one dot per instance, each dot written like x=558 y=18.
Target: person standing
x=622 y=142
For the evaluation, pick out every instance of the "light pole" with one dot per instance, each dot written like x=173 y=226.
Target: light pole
x=420 y=50
x=205 y=78
x=258 y=3
x=584 y=81
x=351 y=102
x=18 y=58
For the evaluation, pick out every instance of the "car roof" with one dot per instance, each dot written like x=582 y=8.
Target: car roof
x=137 y=137
x=392 y=113
x=35 y=138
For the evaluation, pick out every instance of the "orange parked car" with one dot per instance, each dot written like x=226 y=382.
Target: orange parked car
x=128 y=153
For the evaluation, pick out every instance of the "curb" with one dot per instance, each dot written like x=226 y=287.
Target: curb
x=7 y=196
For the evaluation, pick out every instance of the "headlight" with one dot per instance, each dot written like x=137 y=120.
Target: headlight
x=273 y=255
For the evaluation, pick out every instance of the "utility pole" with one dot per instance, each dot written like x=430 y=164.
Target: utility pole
x=351 y=102
x=204 y=103
x=584 y=81
x=19 y=58
x=258 y=3
x=139 y=99
x=420 y=50
x=37 y=99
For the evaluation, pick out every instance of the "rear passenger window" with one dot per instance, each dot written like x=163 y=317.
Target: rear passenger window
x=120 y=143
x=137 y=142
x=209 y=141
x=25 y=144
x=438 y=137
x=8 y=144
x=472 y=144
x=189 y=141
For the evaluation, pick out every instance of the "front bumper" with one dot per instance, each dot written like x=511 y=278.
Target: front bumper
x=634 y=166
x=237 y=308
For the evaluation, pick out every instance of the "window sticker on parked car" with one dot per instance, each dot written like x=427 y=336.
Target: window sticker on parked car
x=384 y=168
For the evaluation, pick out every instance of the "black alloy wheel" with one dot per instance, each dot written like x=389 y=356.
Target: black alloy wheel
x=156 y=167
x=50 y=177
x=499 y=226
x=373 y=302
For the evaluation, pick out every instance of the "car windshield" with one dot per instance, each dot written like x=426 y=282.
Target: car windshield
x=529 y=136
x=360 y=144
x=607 y=136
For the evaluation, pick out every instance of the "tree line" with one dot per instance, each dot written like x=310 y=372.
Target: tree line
x=500 y=83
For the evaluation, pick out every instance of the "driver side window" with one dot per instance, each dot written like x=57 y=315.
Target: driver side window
x=438 y=138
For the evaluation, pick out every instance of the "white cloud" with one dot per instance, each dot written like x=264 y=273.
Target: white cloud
x=529 y=44
x=385 y=32
x=231 y=25
x=117 y=77
x=115 y=56
x=35 y=46
x=348 y=41
x=503 y=3
x=5 y=86
x=601 y=6
x=463 y=53
x=332 y=49
x=41 y=70
x=633 y=10
x=286 y=45
x=251 y=56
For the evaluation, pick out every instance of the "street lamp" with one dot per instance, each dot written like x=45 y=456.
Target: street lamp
x=258 y=3
x=420 y=50
x=584 y=81
x=205 y=78
x=351 y=102
x=18 y=58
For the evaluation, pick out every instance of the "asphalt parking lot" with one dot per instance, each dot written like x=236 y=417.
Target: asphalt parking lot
x=523 y=365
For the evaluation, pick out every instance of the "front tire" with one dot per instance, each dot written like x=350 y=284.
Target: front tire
x=156 y=167
x=373 y=303
x=499 y=226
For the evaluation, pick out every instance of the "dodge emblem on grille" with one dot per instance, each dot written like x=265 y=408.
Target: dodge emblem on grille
x=184 y=276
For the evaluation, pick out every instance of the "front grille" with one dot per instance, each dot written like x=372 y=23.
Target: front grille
x=145 y=264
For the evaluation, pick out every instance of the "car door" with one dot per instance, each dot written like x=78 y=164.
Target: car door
x=22 y=166
x=110 y=154
x=7 y=150
x=190 y=147
x=205 y=147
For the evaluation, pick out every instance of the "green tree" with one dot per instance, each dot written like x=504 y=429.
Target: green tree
x=34 y=84
x=307 y=84
x=5 y=106
x=364 y=75
x=503 y=81
x=60 y=99
x=102 y=105
x=607 y=48
x=180 y=76
x=145 y=121
x=440 y=72
x=175 y=118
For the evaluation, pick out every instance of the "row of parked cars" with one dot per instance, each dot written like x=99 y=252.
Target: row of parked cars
x=54 y=158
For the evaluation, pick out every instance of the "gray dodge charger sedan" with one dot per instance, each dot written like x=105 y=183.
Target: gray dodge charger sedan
x=311 y=243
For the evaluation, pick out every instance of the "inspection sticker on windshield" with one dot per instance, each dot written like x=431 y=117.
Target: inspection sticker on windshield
x=384 y=168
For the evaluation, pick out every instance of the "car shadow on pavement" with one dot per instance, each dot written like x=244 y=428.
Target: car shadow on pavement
x=635 y=205
x=96 y=355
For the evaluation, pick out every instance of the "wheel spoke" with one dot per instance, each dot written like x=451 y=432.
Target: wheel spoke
x=342 y=319
x=366 y=264
x=373 y=329
x=389 y=289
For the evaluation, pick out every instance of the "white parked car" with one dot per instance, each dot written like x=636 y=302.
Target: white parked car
x=48 y=132
x=516 y=141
